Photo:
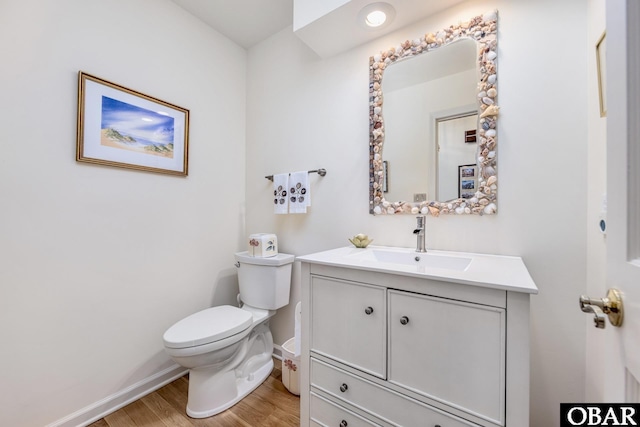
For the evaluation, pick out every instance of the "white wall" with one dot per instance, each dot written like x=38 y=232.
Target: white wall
x=304 y=113
x=96 y=262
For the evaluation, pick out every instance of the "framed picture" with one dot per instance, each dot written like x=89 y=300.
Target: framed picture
x=124 y=128
x=470 y=136
x=601 y=54
x=467 y=181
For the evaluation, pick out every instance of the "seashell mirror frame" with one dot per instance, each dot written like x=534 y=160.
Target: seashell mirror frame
x=484 y=30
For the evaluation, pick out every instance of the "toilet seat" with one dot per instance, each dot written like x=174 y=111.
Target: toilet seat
x=207 y=326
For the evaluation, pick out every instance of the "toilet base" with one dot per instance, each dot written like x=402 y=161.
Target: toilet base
x=244 y=386
x=212 y=391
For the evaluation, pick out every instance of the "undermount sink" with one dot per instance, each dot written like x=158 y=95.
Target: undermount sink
x=411 y=258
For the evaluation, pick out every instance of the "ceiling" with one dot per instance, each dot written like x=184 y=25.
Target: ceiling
x=246 y=22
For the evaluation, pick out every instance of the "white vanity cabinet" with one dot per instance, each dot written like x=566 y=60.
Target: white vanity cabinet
x=382 y=348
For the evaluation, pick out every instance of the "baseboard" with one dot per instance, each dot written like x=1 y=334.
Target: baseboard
x=112 y=403
x=277 y=351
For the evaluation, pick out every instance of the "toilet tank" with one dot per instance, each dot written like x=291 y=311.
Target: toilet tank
x=264 y=282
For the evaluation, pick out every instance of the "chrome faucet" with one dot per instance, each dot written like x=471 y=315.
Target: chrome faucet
x=420 y=233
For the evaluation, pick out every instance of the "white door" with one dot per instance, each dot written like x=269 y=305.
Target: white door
x=623 y=193
x=453 y=151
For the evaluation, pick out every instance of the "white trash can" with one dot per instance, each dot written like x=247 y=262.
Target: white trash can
x=290 y=367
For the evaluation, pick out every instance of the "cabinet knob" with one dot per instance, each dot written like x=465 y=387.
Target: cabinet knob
x=344 y=388
x=343 y=423
x=404 y=320
x=368 y=310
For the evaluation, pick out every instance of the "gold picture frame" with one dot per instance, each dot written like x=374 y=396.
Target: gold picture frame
x=124 y=128
x=601 y=55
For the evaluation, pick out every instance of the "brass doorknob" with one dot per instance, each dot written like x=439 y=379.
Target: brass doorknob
x=611 y=305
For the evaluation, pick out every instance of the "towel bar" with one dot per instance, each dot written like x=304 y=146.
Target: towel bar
x=321 y=172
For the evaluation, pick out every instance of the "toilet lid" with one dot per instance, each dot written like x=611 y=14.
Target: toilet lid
x=206 y=326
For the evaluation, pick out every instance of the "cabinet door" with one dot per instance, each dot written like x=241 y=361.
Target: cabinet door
x=449 y=351
x=348 y=323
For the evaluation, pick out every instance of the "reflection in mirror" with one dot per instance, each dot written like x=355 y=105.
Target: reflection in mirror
x=438 y=119
x=455 y=147
x=418 y=94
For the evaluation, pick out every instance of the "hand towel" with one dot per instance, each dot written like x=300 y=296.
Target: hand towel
x=280 y=193
x=299 y=192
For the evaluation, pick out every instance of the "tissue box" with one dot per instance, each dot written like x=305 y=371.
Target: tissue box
x=263 y=245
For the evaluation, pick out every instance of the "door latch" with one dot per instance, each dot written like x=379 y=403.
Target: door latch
x=611 y=306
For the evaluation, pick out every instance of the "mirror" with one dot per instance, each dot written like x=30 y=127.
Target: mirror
x=426 y=100
x=432 y=143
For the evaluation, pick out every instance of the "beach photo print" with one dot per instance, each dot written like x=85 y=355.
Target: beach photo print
x=124 y=128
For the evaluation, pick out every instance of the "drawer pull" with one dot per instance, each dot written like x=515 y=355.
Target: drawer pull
x=344 y=387
x=404 y=320
x=368 y=310
x=343 y=423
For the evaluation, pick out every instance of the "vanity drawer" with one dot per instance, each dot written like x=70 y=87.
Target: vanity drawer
x=327 y=414
x=385 y=404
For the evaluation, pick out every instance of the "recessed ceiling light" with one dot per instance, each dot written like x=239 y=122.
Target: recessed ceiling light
x=376 y=15
x=375 y=18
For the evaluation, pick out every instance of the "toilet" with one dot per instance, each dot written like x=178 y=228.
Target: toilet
x=228 y=350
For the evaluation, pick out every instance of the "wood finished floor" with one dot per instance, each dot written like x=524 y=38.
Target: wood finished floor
x=268 y=405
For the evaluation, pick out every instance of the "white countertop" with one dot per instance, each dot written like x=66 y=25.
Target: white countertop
x=490 y=271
